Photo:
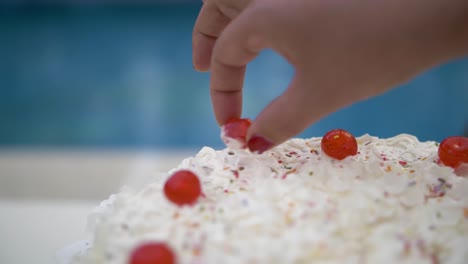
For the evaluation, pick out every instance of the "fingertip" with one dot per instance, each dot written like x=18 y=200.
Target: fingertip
x=258 y=144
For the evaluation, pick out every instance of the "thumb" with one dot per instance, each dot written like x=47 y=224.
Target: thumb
x=287 y=116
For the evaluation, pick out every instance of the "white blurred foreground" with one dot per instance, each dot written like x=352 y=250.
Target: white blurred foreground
x=45 y=196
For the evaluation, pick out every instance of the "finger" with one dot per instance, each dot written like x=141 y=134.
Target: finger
x=239 y=43
x=209 y=25
x=285 y=117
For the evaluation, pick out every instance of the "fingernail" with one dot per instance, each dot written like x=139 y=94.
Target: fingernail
x=259 y=144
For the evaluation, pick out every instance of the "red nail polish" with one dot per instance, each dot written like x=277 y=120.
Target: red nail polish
x=259 y=144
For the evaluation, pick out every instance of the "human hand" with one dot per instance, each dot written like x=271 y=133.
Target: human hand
x=342 y=52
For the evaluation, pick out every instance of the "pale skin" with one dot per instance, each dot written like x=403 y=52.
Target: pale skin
x=343 y=51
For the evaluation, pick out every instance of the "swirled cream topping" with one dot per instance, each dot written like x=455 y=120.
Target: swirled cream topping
x=390 y=203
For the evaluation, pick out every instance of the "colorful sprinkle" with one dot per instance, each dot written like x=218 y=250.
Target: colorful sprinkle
x=287 y=173
x=236 y=173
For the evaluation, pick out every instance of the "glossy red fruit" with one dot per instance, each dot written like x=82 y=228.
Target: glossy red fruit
x=152 y=253
x=236 y=128
x=453 y=151
x=183 y=188
x=339 y=144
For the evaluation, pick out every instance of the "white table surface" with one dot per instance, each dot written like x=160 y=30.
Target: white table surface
x=45 y=196
x=32 y=231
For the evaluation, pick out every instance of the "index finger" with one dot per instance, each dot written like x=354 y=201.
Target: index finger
x=239 y=44
x=209 y=25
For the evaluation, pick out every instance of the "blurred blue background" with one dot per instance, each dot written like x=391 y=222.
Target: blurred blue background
x=119 y=75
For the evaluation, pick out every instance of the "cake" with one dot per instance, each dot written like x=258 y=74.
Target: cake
x=391 y=202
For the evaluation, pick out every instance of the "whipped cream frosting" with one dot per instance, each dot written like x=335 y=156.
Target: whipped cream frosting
x=390 y=203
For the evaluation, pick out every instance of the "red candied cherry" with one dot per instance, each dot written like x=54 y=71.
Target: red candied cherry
x=236 y=128
x=152 y=253
x=453 y=151
x=182 y=188
x=339 y=144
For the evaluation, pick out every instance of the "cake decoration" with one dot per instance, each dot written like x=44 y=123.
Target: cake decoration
x=339 y=144
x=453 y=151
x=152 y=253
x=182 y=188
x=390 y=201
x=234 y=133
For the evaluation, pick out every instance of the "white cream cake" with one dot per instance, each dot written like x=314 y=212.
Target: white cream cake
x=390 y=203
